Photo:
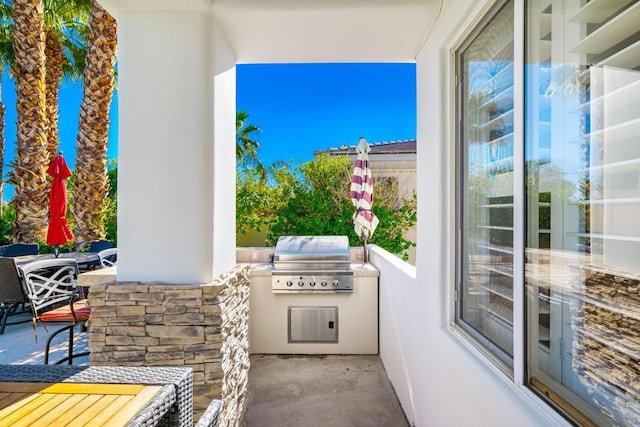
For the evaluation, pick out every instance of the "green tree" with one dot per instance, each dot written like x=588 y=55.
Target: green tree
x=254 y=201
x=314 y=199
x=246 y=146
x=111 y=206
x=7 y=217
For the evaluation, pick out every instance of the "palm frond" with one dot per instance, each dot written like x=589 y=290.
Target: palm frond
x=76 y=59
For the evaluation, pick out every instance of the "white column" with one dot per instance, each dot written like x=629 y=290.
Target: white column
x=176 y=192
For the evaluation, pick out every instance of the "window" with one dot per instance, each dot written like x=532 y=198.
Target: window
x=580 y=265
x=583 y=203
x=484 y=306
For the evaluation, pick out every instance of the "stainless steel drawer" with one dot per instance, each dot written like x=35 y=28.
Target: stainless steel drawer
x=313 y=324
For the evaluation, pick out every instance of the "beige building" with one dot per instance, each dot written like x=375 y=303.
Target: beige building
x=393 y=166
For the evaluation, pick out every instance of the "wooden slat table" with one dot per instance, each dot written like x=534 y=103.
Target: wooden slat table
x=168 y=402
x=72 y=404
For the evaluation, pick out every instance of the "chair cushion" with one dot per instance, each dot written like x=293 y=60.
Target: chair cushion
x=63 y=314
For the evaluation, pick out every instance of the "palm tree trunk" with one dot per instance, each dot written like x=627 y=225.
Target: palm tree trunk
x=28 y=175
x=54 y=71
x=91 y=184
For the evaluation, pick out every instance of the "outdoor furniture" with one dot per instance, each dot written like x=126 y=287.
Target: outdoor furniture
x=86 y=260
x=54 y=297
x=78 y=403
x=171 y=406
x=210 y=416
x=108 y=257
x=19 y=249
x=12 y=293
x=100 y=245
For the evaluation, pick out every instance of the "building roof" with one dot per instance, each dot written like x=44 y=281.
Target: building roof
x=403 y=146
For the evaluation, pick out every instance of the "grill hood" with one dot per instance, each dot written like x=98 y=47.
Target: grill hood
x=312 y=252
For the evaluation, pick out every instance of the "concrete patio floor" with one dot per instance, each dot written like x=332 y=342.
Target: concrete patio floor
x=321 y=391
x=18 y=345
x=300 y=391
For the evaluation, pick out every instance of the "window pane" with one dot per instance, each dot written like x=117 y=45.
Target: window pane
x=485 y=263
x=583 y=207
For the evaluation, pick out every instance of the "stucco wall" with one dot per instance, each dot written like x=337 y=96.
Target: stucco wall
x=176 y=147
x=439 y=381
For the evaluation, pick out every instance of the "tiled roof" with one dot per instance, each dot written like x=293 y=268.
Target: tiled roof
x=386 y=147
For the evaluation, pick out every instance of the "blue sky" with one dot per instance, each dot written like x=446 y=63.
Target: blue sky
x=300 y=108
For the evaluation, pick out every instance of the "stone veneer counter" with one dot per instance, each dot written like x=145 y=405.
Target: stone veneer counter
x=204 y=327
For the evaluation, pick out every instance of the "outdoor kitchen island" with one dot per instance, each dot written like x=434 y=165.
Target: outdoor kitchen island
x=296 y=312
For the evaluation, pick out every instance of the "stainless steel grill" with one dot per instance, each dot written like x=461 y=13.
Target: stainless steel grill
x=312 y=264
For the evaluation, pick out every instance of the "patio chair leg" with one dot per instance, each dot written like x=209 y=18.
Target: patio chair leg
x=70 y=349
x=3 y=322
x=53 y=335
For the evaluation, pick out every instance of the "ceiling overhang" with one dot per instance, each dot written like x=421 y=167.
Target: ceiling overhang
x=294 y=31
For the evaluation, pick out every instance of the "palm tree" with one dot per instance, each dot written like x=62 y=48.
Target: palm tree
x=6 y=57
x=247 y=147
x=65 y=23
x=65 y=47
x=91 y=185
x=2 y=140
x=28 y=175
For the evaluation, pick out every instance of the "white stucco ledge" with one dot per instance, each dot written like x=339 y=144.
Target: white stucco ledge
x=265 y=269
x=376 y=254
x=365 y=270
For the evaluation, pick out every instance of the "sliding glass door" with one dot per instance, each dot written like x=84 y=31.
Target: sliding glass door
x=583 y=207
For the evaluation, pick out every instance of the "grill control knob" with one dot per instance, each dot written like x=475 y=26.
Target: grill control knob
x=300 y=283
x=289 y=283
x=323 y=283
x=335 y=283
x=312 y=283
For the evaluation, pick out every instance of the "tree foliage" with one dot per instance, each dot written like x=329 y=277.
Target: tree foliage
x=246 y=146
x=7 y=218
x=111 y=204
x=313 y=199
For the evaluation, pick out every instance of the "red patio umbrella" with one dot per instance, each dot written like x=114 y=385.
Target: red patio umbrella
x=362 y=195
x=58 y=232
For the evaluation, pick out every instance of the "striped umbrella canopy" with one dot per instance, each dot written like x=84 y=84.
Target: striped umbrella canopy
x=362 y=195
